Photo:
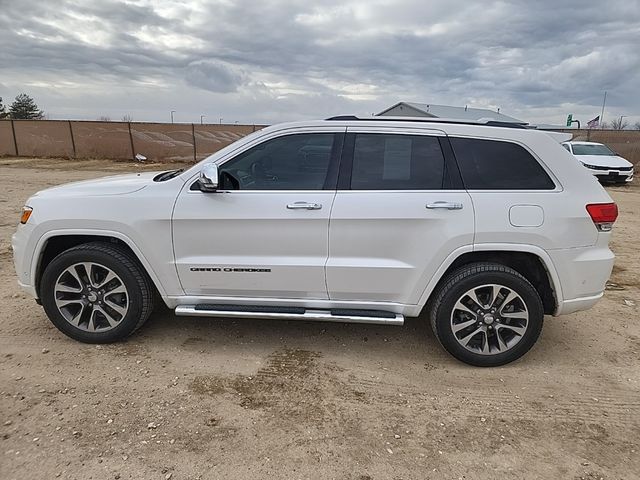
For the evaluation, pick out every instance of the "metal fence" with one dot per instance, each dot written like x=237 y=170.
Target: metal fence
x=182 y=142
x=161 y=142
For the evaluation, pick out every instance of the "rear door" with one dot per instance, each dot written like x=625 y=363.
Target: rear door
x=399 y=211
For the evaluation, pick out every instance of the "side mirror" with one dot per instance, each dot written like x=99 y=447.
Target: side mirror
x=209 y=178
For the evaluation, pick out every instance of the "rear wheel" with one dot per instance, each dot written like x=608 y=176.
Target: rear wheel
x=96 y=293
x=486 y=314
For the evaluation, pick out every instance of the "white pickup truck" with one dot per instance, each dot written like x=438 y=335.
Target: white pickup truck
x=484 y=227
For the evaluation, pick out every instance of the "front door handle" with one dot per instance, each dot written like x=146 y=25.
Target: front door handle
x=304 y=206
x=445 y=205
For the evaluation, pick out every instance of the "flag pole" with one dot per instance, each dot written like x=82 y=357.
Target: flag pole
x=602 y=112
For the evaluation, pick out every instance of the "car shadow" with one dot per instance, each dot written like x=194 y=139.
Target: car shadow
x=414 y=336
x=412 y=342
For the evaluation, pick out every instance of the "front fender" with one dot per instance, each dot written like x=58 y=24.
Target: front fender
x=163 y=284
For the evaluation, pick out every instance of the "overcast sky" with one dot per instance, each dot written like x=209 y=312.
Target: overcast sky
x=278 y=60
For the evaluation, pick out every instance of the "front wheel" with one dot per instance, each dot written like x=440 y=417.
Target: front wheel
x=486 y=314
x=96 y=293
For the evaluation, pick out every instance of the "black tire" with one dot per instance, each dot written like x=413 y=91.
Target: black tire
x=460 y=281
x=139 y=290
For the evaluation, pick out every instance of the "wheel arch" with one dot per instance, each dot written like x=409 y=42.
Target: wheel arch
x=531 y=262
x=55 y=242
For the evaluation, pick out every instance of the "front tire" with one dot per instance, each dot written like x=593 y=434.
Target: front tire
x=486 y=314
x=96 y=293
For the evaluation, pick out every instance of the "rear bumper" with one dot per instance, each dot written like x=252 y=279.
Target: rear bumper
x=583 y=274
x=577 y=304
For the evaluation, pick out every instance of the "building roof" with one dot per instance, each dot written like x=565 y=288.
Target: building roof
x=447 y=111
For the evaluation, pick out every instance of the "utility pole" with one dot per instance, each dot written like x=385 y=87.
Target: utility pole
x=172 y=112
x=602 y=112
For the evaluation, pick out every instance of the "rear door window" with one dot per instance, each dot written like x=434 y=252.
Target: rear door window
x=498 y=165
x=396 y=162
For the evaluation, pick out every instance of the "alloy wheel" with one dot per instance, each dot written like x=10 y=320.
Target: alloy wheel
x=489 y=319
x=91 y=297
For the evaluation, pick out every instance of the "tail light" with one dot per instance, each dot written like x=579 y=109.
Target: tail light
x=603 y=215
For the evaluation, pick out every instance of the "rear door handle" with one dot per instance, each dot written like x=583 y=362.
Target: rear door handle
x=444 y=205
x=304 y=206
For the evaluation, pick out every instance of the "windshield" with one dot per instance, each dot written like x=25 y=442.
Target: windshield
x=593 y=149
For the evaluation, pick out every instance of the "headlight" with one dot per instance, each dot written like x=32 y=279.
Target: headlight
x=26 y=213
x=592 y=167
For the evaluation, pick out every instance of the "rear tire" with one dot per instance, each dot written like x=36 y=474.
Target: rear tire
x=486 y=314
x=96 y=293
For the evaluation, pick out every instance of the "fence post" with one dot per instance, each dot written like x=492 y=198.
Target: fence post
x=73 y=142
x=15 y=142
x=133 y=150
x=193 y=134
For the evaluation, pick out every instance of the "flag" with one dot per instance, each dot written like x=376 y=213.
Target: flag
x=593 y=123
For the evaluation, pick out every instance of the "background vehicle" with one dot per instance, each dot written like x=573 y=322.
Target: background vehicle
x=601 y=161
x=485 y=227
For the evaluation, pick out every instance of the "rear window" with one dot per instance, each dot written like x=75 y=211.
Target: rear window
x=498 y=165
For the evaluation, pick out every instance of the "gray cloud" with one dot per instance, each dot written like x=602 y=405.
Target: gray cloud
x=290 y=59
x=213 y=76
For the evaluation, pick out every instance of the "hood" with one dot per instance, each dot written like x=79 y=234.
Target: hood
x=611 y=161
x=113 y=185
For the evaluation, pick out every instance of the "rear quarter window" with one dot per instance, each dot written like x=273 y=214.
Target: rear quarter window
x=498 y=165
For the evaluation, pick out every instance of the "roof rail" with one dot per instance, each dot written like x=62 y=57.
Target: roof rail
x=487 y=123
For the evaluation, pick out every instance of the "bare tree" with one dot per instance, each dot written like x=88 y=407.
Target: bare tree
x=127 y=118
x=619 y=123
x=636 y=126
x=104 y=118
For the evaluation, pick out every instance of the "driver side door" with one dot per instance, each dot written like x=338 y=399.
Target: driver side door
x=265 y=232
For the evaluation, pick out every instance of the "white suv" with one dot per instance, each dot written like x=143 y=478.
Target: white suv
x=484 y=227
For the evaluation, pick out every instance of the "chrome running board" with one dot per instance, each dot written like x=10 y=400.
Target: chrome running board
x=291 y=313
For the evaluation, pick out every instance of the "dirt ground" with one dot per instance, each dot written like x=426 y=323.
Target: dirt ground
x=194 y=398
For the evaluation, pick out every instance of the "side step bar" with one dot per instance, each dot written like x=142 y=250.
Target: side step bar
x=344 y=315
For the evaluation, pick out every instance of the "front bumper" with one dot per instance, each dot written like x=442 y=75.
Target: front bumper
x=22 y=260
x=613 y=175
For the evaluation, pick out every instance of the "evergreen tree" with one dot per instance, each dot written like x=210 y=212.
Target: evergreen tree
x=3 y=112
x=24 y=107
